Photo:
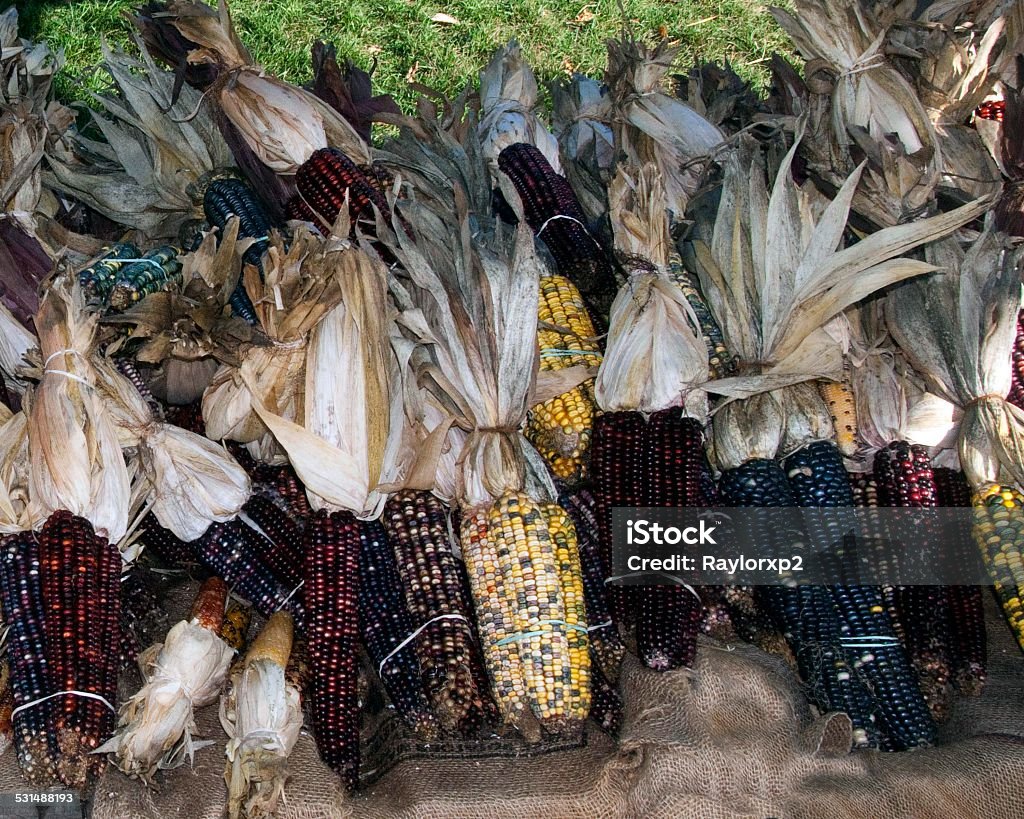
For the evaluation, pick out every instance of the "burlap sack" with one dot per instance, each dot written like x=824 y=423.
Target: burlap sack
x=732 y=738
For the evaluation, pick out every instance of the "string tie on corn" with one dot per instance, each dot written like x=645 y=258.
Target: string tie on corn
x=65 y=373
x=677 y=580
x=526 y=635
x=414 y=635
x=88 y=694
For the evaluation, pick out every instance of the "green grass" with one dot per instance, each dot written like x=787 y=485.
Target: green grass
x=556 y=35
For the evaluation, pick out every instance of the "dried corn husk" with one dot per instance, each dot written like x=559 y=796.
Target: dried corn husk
x=262 y=717
x=862 y=106
x=966 y=358
x=508 y=99
x=189 y=331
x=183 y=673
x=72 y=439
x=15 y=342
x=348 y=441
x=294 y=295
x=652 y=126
x=146 y=171
x=16 y=513
x=280 y=123
x=581 y=116
x=27 y=116
x=719 y=95
x=655 y=355
x=774 y=277
x=193 y=481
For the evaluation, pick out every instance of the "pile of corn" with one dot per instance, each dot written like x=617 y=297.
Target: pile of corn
x=389 y=396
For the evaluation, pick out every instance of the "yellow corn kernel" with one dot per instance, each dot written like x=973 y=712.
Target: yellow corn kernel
x=999 y=534
x=838 y=397
x=235 y=627
x=274 y=642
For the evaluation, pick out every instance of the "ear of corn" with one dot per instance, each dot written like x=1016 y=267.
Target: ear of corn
x=720 y=362
x=999 y=533
x=325 y=180
x=331 y=573
x=838 y=397
x=555 y=216
x=235 y=628
x=1016 y=394
x=437 y=596
x=281 y=548
x=133 y=282
x=561 y=427
x=98 y=279
x=384 y=623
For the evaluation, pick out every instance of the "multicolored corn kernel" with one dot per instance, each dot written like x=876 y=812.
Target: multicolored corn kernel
x=235 y=629
x=98 y=279
x=720 y=362
x=157 y=270
x=999 y=534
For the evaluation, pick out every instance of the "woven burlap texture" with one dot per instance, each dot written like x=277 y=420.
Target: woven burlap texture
x=732 y=738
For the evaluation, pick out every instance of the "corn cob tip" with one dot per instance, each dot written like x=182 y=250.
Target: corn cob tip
x=210 y=604
x=274 y=642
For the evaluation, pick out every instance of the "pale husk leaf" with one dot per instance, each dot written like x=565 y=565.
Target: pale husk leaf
x=966 y=358
x=185 y=672
x=508 y=99
x=73 y=441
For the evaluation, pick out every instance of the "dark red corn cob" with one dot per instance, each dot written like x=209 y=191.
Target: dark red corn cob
x=332 y=630
x=281 y=549
x=617 y=472
x=968 y=640
x=231 y=550
x=676 y=475
x=437 y=598
x=326 y=178
x=292 y=492
x=81 y=603
x=1016 y=394
x=385 y=623
x=606 y=706
x=22 y=596
x=298 y=209
x=162 y=542
x=188 y=416
x=606 y=646
x=992 y=109
x=904 y=478
x=143 y=621
x=554 y=214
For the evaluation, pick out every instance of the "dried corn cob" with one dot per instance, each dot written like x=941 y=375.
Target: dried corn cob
x=999 y=533
x=331 y=572
x=437 y=597
x=262 y=717
x=281 y=548
x=1016 y=394
x=231 y=550
x=183 y=673
x=752 y=624
x=904 y=479
x=991 y=109
x=606 y=646
x=158 y=269
x=493 y=599
x=555 y=216
x=818 y=478
x=171 y=551
x=969 y=644
x=327 y=178
x=81 y=602
x=838 y=397
x=606 y=706
x=98 y=279
x=235 y=628
x=126 y=366
x=228 y=197
x=384 y=623
x=21 y=588
x=561 y=427
x=291 y=491
x=298 y=209
x=142 y=618
x=720 y=363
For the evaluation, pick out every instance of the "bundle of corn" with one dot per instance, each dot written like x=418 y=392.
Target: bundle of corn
x=182 y=333
x=158 y=146
x=74 y=449
x=649 y=441
x=774 y=277
x=862 y=107
x=580 y=116
x=967 y=361
x=508 y=102
x=343 y=452
x=181 y=674
x=60 y=594
x=296 y=291
x=445 y=641
x=279 y=123
x=555 y=216
x=652 y=126
x=953 y=55
x=479 y=358
x=386 y=626
x=262 y=716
